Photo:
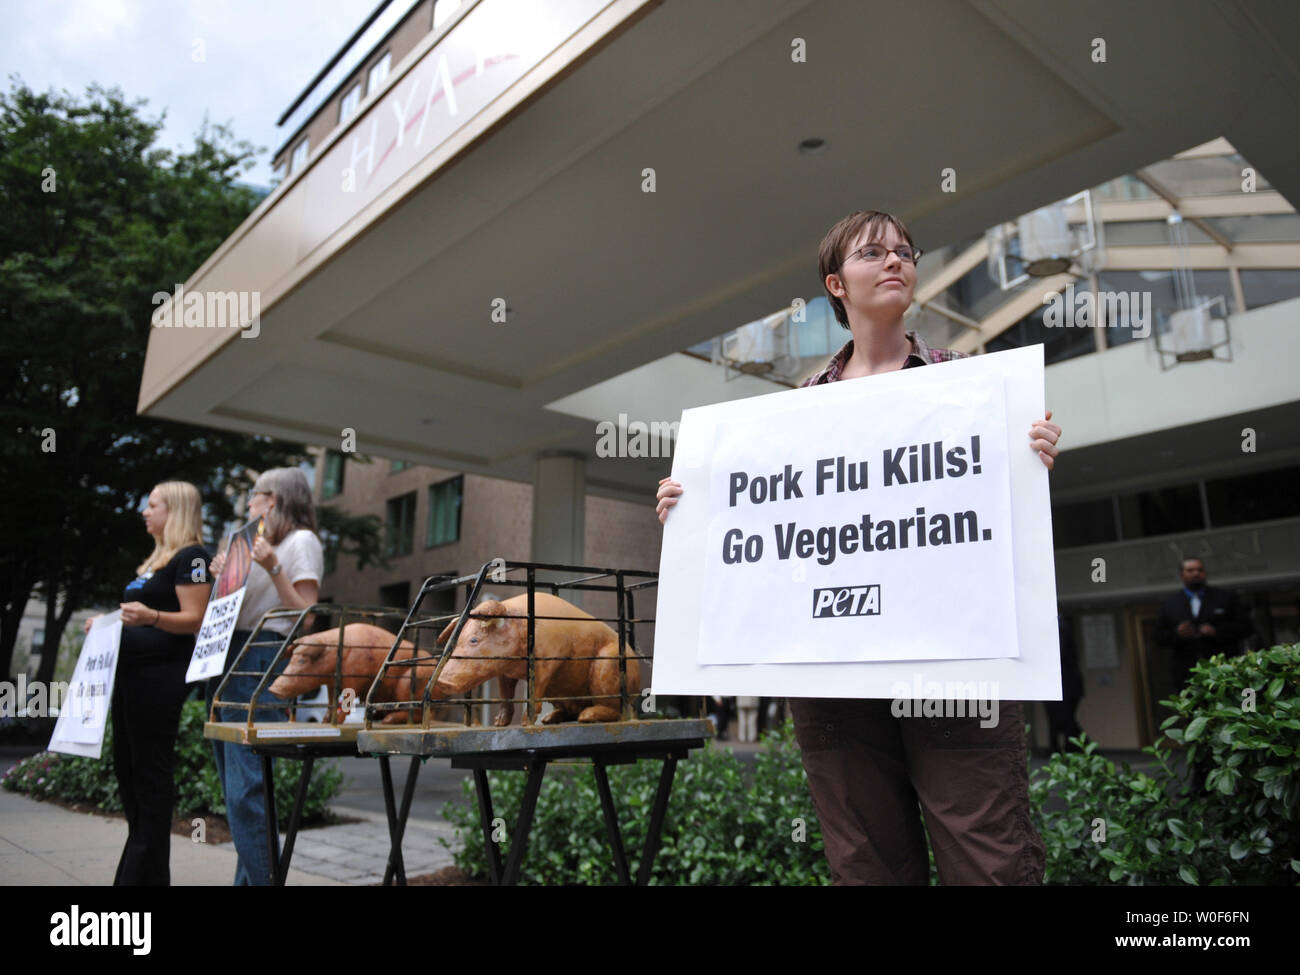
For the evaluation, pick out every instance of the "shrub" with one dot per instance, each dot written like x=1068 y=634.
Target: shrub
x=51 y=775
x=1225 y=814
x=722 y=826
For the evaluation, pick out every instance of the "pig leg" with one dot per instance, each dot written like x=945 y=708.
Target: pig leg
x=506 y=711
x=604 y=686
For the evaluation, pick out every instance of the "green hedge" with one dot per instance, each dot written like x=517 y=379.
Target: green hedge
x=721 y=827
x=50 y=775
x=1222 y=813
x=1225 y=814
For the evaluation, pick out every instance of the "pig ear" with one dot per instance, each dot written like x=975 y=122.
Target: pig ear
x=492 y=608
x=310 y=650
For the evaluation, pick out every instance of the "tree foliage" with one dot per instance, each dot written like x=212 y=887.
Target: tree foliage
x=96 y=221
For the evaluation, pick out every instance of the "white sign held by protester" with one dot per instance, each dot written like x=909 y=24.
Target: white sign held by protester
x=879 y=539
x=828 y=540
x=213 y=640
x=82 y=719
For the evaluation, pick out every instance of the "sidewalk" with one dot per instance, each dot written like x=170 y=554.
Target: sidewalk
x=42 y=844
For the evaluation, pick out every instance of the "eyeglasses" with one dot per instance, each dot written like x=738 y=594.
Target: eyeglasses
x=875 y=253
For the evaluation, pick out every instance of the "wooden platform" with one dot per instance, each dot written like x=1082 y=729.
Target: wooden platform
x=448 y=739
x=281 y=732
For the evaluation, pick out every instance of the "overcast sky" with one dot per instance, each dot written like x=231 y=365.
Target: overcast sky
x=259 y=55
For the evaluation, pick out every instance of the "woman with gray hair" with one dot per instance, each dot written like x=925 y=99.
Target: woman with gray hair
x=288 y=563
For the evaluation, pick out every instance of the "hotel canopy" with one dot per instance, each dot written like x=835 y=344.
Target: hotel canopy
x=622 y=181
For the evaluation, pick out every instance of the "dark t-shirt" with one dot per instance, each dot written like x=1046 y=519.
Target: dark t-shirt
x=148 y=644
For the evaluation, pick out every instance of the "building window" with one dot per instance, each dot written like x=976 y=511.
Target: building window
x=400 y=521
x=1262 y=496
x=379 y=72
x=330 y=542
x=332 y=484
x=299 y=156
x=1263 y=287
x=1084 y=523
x=278 y=174
x=1059 y=344
x=350 y=102
x=1164 y=511
x=444 y=512
x=398 y=466
x=398 y=594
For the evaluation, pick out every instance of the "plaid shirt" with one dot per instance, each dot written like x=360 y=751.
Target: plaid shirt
x=921 y=355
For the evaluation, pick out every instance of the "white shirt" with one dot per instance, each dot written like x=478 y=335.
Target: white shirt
x=301 y=557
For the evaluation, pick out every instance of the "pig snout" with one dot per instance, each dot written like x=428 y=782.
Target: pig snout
x=486 y=649
x=300 y=676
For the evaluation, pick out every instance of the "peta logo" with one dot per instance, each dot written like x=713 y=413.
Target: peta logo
x=846 y=601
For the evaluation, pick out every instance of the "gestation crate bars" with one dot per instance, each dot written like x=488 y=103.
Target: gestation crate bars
x=429 y=656
x=347 y=677
x=244 y=711
x=635 y=732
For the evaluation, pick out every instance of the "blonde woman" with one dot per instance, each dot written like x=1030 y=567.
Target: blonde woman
x=162 y=611
x=288 y=562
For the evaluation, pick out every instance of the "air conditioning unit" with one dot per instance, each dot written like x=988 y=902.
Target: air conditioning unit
x=767 y=347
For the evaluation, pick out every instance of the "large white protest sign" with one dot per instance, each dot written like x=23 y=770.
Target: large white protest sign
x=979 y=611
x=215 y=633
x=80 y=727
x=828 y=539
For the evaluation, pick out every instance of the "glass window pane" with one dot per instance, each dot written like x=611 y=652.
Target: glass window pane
x=1059 y=344
x=1261 y=496
x=1163 y=511
x=1267 y=286
x=1084 y=523
x=444 y=512
x=350 y=102
x=379 y=72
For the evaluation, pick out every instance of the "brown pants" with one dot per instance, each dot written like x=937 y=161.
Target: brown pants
x=868 y=770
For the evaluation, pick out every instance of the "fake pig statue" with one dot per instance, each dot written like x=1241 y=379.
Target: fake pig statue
x=498 y=647
x=314 y=663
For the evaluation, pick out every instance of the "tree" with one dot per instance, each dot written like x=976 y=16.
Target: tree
x=95 y=222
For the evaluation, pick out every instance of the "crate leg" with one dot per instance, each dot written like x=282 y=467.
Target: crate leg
x=611 y=822
x=395 y=871
x=519 y=842
x=656 y=820
x=295 y=816
x=272 y=822
x=485 y=820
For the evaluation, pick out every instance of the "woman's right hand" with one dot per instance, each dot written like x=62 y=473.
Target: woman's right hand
x=669 y=492
x=214 y=566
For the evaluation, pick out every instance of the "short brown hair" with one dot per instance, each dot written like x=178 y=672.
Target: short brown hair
x=830 y=256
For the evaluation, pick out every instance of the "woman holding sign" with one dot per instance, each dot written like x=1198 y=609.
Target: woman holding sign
x=868 y=770
x=162 y=611
x=288 y=563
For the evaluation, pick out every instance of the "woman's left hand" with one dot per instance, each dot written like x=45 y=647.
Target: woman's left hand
x=138 y=614
x=1043 y=437
x=263 y=554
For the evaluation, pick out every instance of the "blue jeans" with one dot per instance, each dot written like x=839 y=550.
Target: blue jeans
x=239 y=770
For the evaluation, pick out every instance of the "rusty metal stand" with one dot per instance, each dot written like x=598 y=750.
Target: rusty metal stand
x=396 y=870
x=307 y=754
x=534 y=762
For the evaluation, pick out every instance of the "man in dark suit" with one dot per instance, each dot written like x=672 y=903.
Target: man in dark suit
x=1199 y=621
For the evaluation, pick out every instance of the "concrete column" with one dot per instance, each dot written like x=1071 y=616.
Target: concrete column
x=559 y=495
